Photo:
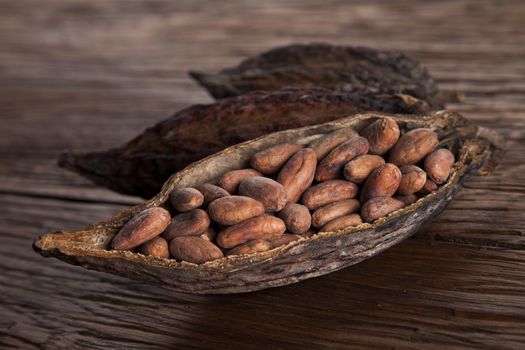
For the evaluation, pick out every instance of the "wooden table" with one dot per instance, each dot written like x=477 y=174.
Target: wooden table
x=88 y=75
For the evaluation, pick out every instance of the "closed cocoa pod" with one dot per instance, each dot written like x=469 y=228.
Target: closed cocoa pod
x=413 y=146
x=194 y=249
x=429 y=187
x=378 y=207
x=267 y=191
x=342 y=222
x=141 y=228
x=381 y=135
x=208 y=234
x=358 y=169
x=382 y=182
x=272 y=159
x=298 y=174
x=332 y=211
x=329 y=192
x=413 y=179
x=157 y=246
x=324 y=145
x=190 y=223
x=184 y=199
x=234 y=209
x=407 y=199
x=332 y=165
x=253 y=246
x=261 y=227
x=284 y=239
x=438 y=165
x=296 y=217
x=211 y=193
x=230 y=180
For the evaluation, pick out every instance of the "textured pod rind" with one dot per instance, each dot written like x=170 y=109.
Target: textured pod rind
x=305 y=258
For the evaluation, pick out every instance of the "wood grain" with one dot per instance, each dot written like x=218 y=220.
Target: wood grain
x=90 y=75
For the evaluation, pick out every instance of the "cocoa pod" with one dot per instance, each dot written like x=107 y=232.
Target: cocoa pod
x=194 y=249
x=230 y=180
x=438 y=165
x=331 y=166
x=253 y=246
x=141 y=228
x=284 y=239
x=298 y=174
x=234 y=209
x=378 y=207
x=267 y=191
x=261 y=227
x=342 y=222
x=271 y=160
x=141 y=166
x=332 y=211
x=325 y=144
x=413 y=146
x=328 y=192
x=184 y=199
x=157 y=246
x=211 y=193
x=358 y=169
x=413 y=179
x=208 y=234
x=382 y=182
x=190 y=223
x=381 y=135
x=406 y=199
x=296 y=217
x=429 y=187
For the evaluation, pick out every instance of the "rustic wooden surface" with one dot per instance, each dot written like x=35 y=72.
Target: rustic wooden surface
x=88 y=75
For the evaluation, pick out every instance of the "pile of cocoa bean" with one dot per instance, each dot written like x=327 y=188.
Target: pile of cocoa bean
x=291 y=191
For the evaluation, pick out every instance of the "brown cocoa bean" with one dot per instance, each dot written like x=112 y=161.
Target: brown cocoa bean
x=184 y=199
x=194 y=249
x=211 y=193
x=230 y=180
x=253 y=246
x=407 y=199
x=331 y=166
x=157 y=246
x=438 y=165
x=329 y=192
x=267 y=191
x=261 y=227
x=429 y=187
x=412 y=179
x=271 y=160
x=234 y=209
x=325 y=144
x=298 y=174
x=382 y=182
x=332 y=211
x=190 y=223
x=413 y=146
x=358 y=169
x=381 y=135
x=141 y=228
x=342 y=222
x=284 y=239
x=296 y=217
x=378 y=207
x=311 y=232
x=208 y=234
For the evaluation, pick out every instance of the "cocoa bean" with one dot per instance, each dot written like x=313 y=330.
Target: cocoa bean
x=298 y=174
x=230 y=180
x=332 y=211
x=429 y=187
x=412 y=179
x=413 y=146
x=184 y=199
x=253 y=246
x=331 y=166
x=267 y=191
x=194 y=249
x=157 y=246
x=296 y=217
x=328 y=192
x=284 y=239
x=211 y=193
x=381 y=135
x=342 y=222
x=271 y=160
x=438 y=165
x=382 y=182
x=358 y=169
x=379 y=207
x=190 y=223
x=325 y=144
x=234 y=209
x=261 y=227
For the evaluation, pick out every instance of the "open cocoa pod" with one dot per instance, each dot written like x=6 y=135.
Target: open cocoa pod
x=476 y=151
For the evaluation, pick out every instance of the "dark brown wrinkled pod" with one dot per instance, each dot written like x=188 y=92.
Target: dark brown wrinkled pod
x=141 y=166
x=336 y=67
x=476 y=150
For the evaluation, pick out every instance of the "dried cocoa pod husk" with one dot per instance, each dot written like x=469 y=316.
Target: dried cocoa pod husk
x=142 y=165
x=347 y=68
x=477 y=151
